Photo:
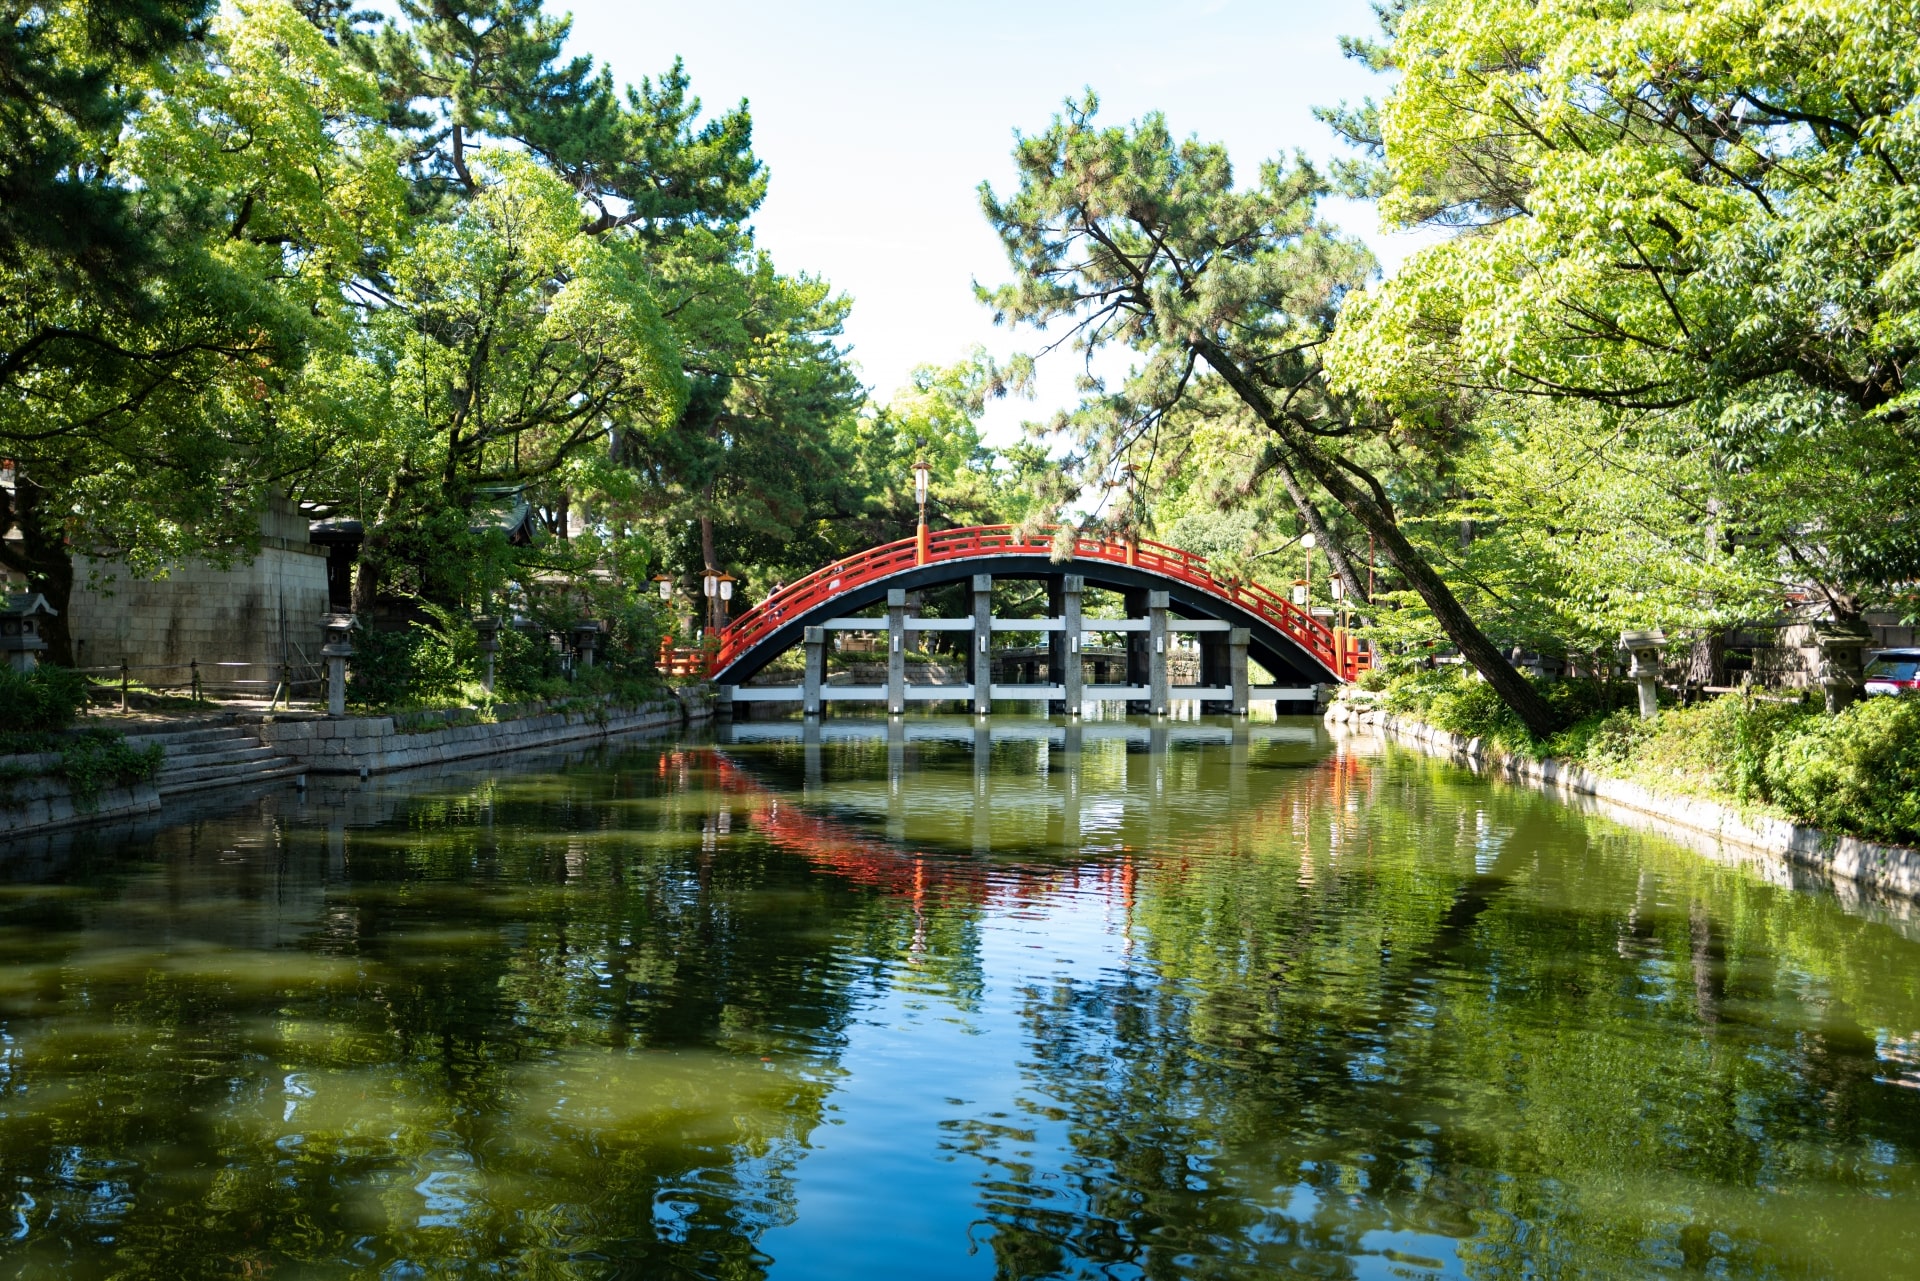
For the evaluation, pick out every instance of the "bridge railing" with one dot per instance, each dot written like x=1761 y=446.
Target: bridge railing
x=824 y=584
x=680 y=661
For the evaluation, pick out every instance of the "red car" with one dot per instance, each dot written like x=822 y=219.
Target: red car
x=1894 y=671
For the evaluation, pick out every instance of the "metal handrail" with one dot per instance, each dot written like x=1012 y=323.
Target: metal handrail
x=1333 y=650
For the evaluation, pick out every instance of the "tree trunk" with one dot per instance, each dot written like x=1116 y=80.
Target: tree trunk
x=1336 y=550
x=706 y=542
x=1707 y=661
x=1513 y=688
x=366 y=586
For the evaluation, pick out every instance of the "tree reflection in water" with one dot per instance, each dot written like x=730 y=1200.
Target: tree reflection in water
x=1262 y=1005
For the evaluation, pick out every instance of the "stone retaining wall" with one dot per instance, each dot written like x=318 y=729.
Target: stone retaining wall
x=1893 y=868
x=42 y=802
x=372 y=744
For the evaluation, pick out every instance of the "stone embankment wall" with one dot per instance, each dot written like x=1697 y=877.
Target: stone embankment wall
x=375 y=745
x=41 y=801
x=33 y=801
x=1893 y=868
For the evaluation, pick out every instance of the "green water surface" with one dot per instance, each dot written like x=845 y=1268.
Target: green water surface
x=947 y=999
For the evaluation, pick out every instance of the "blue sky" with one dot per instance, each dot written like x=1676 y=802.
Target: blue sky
x=878 y=121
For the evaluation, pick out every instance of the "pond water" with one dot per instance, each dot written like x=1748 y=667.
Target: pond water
x=946 y=1000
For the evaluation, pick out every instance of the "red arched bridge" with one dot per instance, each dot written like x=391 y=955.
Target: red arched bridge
x=1167 y=591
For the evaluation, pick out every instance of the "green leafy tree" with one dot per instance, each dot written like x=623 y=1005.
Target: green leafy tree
x=512 y=342
x=1699 y=221
x=1135 y=239
x=148 y=415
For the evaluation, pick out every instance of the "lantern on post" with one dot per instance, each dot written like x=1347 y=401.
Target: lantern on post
x=1645 y=669
x=1843 y=645
x=665 y=583
x=336 y=647
x=922 y=482
x=20 y=637
x=586 y=635
x=487 y=629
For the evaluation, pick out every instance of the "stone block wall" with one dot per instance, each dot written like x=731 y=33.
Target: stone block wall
x=264 y=612
x=42 y=802
x=372 y=744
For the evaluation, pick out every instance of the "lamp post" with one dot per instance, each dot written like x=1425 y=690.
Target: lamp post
x=487 y=630
x=1128 y=479
x=1644 y=646
x=1308 y=541
x=719 y=590
x=337 y=648
x=922 y=480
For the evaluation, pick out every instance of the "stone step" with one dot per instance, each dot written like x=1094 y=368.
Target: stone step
x=246 y=753
x=183 y=737
x=278 y=767
x=210 y=747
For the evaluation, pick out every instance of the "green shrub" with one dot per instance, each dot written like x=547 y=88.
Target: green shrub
x=1858 y=772
x=43 y=700
x=101 y=758
x=439 y=664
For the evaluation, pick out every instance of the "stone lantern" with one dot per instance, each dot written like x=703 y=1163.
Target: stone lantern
x=1645 y=671
x=487 y=628
x=1843 y=645
x=586 y=635
x=336 y=647
x=20 y=638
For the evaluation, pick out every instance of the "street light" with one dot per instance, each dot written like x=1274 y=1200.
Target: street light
x=718 y=588
x=1128 y=479
x=922 y=548
x=1307 y=540
x=665 y=583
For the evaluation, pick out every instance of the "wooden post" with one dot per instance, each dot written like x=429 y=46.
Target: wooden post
x=896 y=651
x=1158 y=697
x=815 y=640
x=1238 y=640
x=982 y=644
x=1073 y=669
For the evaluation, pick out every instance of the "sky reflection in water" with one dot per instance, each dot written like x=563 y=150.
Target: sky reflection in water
x=947 y=1001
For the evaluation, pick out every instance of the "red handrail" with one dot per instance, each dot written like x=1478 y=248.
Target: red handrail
x=1337 y=653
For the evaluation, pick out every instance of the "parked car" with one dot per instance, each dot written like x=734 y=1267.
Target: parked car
x=1894 y=671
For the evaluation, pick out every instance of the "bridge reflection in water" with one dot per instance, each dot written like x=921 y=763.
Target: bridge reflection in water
x=1054 y=787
